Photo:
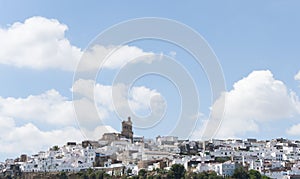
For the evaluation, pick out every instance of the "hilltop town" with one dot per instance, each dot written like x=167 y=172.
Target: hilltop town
x=123 y=154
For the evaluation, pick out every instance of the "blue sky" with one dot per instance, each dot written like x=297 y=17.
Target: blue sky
x=267 y=31
x=257 y=44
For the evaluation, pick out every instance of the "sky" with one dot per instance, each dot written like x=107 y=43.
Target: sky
x=45 y=101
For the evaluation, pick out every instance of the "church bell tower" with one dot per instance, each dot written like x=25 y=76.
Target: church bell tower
x=127 y=129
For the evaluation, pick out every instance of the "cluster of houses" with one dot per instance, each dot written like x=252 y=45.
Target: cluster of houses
x=122 y=153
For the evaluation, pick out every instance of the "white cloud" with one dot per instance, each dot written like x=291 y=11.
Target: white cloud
x=37 y=122
x=297 y=76
x=294 y=130
x=41 y=43
x=52 y=110
x=34 y=123
x=49 y=107
x=29 y=139
x=98 y=131
x=139 y=98
x=112 y=57
x=38 y=43
x=199 y=129
x=256 y=99
x=49 y=111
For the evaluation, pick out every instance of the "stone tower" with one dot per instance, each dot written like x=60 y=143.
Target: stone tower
x=127 y=129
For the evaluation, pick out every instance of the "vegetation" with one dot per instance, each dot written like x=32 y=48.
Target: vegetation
x=142 y=173
x=177 y=171
x=241 y=173
x=253 y=174
x=203 y=175
x=55 y=148
x=62 y=175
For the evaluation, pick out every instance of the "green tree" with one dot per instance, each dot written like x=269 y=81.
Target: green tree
x=93 y=176
x=63 y=175
x=157 y=176
x=106 y=176
x=240 y=173
x=142 y=173
x=100 y=174
x=177 y=171
x=202 y=175
x=89 y=171
x=8 y=177
x=214 y=175
x=190 y=175
x=84 y=176
x=207 y=175
x=265 y=177
x=253 y=174
x=170 y=174
x=55 y=148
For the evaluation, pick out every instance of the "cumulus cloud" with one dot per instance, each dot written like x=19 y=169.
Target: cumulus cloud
x=29 y=139
x=112 y=57
x=54 y=111
x=23 y=120
x=49 y=108
x=294 y=130
x=256 y=99
x=297 y=76
x=37 y=122
x=38 y=43
x=117 y=97
x=98 y=131
x=41 y=43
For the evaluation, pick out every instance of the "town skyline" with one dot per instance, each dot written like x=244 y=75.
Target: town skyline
x=121 y=154
x=49 y=96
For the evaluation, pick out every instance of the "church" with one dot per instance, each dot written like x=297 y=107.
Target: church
x=127 y=129
x=126 y=133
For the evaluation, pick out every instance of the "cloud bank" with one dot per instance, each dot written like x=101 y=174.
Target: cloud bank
x=254 y=100
x=40 y=43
